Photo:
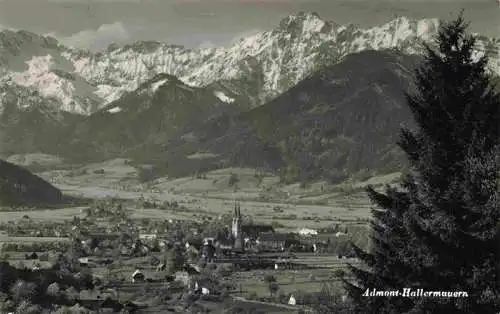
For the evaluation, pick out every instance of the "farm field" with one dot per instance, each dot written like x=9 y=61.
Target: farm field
x=290 y=206
x=322 y=272
x=6 y=238
x=60 y=214
x=289 y=215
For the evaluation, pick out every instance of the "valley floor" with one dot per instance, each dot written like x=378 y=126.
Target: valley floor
x=291 y=206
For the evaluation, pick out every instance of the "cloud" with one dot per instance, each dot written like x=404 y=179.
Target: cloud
x=98 y=39
x=202 y=40
x=3 y=27
x=207 y=44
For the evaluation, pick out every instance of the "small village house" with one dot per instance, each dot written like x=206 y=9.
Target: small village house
x=252 y=231
x=307 y=232
x=276 y=241
x=182 y=276
x=161 y=267
x=84 y=261
x=138 y=276
x=192 y=269
x=203 y=286
x=147 y=236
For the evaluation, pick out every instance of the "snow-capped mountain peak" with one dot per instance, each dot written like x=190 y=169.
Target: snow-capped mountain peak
x=115 y=110
x=223 y=97
x=265 y=63
x=156 y=85
x=307 y=22
x=41 y=76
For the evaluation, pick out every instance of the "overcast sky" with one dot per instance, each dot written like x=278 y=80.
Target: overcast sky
x=94 y=24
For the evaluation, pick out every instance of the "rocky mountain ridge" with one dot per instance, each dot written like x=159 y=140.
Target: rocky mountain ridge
x=147 y=118
x=257 y=67
x=340 y=121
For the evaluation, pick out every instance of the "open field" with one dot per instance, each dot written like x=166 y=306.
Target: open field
x=35 y=158
x=262 y=197
x=262 y=214
x=337 y=208
x=288 y=215
x=242 y=183
x=63 y=214
x=8 y=239
x=292 y=216
x=289 y=281
x=299 y=210
x=60 y=214
x=265 y=307
x=113 y=173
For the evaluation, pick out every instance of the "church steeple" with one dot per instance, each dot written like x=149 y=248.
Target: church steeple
x=236 y=226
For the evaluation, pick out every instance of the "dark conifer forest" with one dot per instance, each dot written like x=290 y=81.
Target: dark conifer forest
x=440 y=231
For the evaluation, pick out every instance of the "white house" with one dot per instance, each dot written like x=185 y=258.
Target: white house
x=208 y=240
x=162 y=243
x=194 y=267
x=292 y=300
x=307 y=232
x=161 y=267
x=147 y=236
x=137 y=276
x=202 y=286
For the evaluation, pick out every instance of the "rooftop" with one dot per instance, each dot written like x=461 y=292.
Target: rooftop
x=275 y=237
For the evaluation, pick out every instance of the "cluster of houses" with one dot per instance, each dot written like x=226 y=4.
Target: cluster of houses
x=254 y=243
x=260 y=238
x=26 y=227
x=244 y=238
x=258 y=245
x=241 y=240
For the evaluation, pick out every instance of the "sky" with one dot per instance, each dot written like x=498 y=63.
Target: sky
x=94 y=24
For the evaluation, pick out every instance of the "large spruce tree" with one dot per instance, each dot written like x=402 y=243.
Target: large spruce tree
x=440 y=230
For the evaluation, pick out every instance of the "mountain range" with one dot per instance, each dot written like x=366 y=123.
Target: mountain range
x=147 y=117
x=309 y=98
x=339 y=121
x=259 y=67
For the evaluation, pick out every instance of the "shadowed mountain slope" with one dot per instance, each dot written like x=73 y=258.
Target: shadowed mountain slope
x=145 y=119
x=19 y=186
x=342 y=120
